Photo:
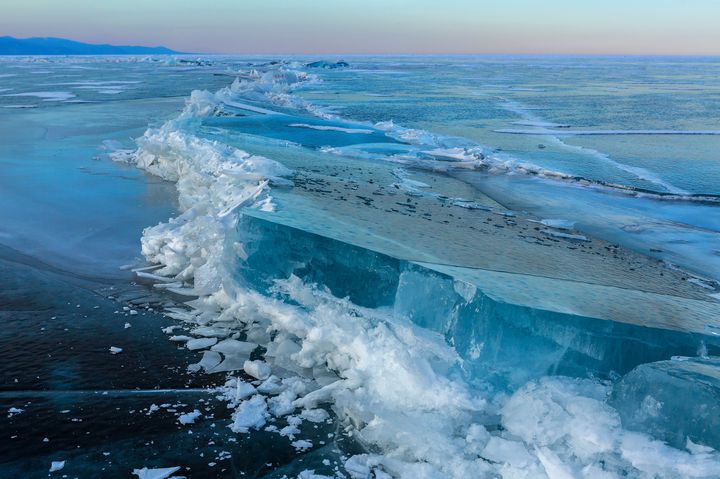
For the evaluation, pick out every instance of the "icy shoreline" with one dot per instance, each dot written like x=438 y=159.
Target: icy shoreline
x=398 y=388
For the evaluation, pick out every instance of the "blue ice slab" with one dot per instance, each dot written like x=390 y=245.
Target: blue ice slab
x=507 y=327
x=673 y=400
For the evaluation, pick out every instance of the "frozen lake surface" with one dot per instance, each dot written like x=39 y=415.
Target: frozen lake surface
x=401 y=267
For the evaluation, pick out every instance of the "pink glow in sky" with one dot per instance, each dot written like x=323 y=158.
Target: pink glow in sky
x=375 y=26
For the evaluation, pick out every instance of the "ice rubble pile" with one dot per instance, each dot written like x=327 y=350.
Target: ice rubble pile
x=398 y=388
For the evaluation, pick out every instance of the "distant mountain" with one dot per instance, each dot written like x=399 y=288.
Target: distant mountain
x=61 y=46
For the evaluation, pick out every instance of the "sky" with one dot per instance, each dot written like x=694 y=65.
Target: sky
x=629 y=27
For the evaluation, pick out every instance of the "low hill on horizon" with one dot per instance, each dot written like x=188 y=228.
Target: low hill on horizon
x=61 y=46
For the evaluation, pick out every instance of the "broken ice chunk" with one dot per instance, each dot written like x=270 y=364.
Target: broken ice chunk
x=257 y=369
x=56 y=465
x=244 y=390
x=251 y=413
x=498 y=449
x=234 y=347
x=302 y=445
x=285 y=347
x=161 y=473
x=115 y=350
x=314 y=415
x=672 y=401
x=180 y=338
x=282 y=352
x=289 y=431
x=282 y=405
x=200 y=343
x=258 y=335
x=230 y=363
x=211 y=332
x=209 y=360
x=189 y=418
x=272 y=385
x=323 y=377
x=14 y=410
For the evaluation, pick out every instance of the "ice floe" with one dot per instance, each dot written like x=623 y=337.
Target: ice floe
x=200 y=343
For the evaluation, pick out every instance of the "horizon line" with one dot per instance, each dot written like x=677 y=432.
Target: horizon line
x=385 y=54
x=367 y=54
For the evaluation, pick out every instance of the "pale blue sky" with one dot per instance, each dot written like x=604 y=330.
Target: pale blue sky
x=379 y=26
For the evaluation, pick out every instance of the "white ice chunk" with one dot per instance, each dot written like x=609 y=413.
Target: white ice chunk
x=115 y=350
x=180 y=338
x=282 y=405
x=209 y=360
x=257 y=369
x=211 y=332
x=56 y=465
x=161 y=473
x=314 y=415
x=289 y=431
x=251 y=413
x=201 y=343
x=234 y=347
x=509 y=452
x=272 y=385
x=243 y=390
x=230 y=363
x=302 y=445
x=189 y=418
